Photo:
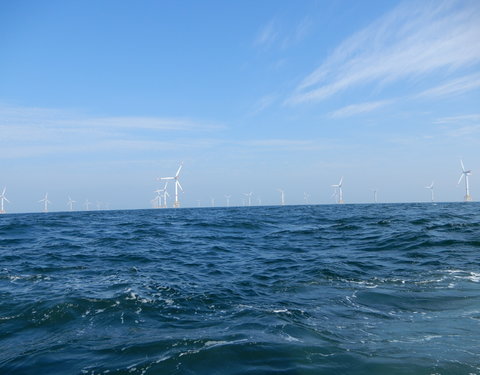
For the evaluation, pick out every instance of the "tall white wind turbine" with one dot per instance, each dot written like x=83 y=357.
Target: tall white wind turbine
x=431 y=191
x=282 y=197
x=70 y=204
x=228 y=200
x=87 y=204
x=249 y=197
x=45 y=202
x=340 y=192
x=3 y=198
x=306 y=197
x=176 y=204
x=466 y=173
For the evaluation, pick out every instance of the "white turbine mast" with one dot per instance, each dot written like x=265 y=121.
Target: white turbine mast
x=249 y=197
x=70 y=203
x=306 y=198
x=431 y=191
x=3 y=199
x=87 y=204
x=176 y=204
x=375 y=193
x=340 y=192
x=465 y=173
x=282 y=197
x=157 y=200
x=228 y=200
x=45 y=202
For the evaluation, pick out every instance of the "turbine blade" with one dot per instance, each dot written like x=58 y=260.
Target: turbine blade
x=165 y=178
x=180 y=186
x=178 y=171
x=463 y=167
x=460 y=179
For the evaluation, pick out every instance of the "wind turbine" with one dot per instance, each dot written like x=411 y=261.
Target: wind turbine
x=431 y=190
x=340 y=193
x=2 y=199
x=306 y=197
x=70 y=203
x=468 y=197
x=375 y=196
x=212 y=201
x=249 y=196
x=176 y=204
x=45 y=202
x=228 y=200
x=157 y=200
x=282 y=197
x=87 y=204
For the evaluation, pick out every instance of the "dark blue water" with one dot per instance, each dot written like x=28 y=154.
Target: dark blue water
x=345 y=289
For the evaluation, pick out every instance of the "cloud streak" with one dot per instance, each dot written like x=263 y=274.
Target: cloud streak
x=413 y=40
x=357 y=109
x=454 y=87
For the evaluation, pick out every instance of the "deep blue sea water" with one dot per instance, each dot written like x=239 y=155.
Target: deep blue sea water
x=340 y=289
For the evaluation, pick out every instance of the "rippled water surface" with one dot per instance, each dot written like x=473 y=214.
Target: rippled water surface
x=351 y=289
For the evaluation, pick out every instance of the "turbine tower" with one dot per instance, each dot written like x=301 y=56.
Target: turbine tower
x=87 y=204
x=340 y=192
x=176 y=204
x=375 y=196
x=157 y=200
x=228 y=200
x=468 y=197
x=306 y=197
x=45 y=202
x=282 y=197
x=70 y=203
x=249 y=196
x=2 y=199
x=431 y=190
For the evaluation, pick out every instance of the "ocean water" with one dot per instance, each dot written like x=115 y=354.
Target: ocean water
x=334 y=289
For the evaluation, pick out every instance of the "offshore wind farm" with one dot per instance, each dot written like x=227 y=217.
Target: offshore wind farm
x=161 y=194
x=252 y=187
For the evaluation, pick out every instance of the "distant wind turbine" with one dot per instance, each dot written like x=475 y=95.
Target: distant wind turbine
x=431 y=190
x=2 y=199
x=212 y=201
x=87 y=204
x=306 y=197
x=228 y=200
x=340 y=192
x=70 y=203
x=375 y=196
x=249 y=196
x=282 y=197
x=466 y=173
x=45 y=202
x=176 y=204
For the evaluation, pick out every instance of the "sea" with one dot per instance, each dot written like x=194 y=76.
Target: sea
x=311 y=289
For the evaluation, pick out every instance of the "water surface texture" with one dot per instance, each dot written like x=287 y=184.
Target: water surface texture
x=340 y=289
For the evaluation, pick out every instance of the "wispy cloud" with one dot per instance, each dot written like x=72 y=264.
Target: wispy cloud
x=454 y=87
x=461 y=119
x=356 y=109
x=413 y=40
x=267 y=35
x=27 y=132
x=460 y=126
x=263 y=103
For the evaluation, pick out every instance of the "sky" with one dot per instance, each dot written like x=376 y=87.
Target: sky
x=99 y=98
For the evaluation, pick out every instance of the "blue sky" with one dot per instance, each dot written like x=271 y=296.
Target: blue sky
x=97 y=99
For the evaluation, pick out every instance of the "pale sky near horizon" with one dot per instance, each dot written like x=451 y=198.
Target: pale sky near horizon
x=98 y=98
